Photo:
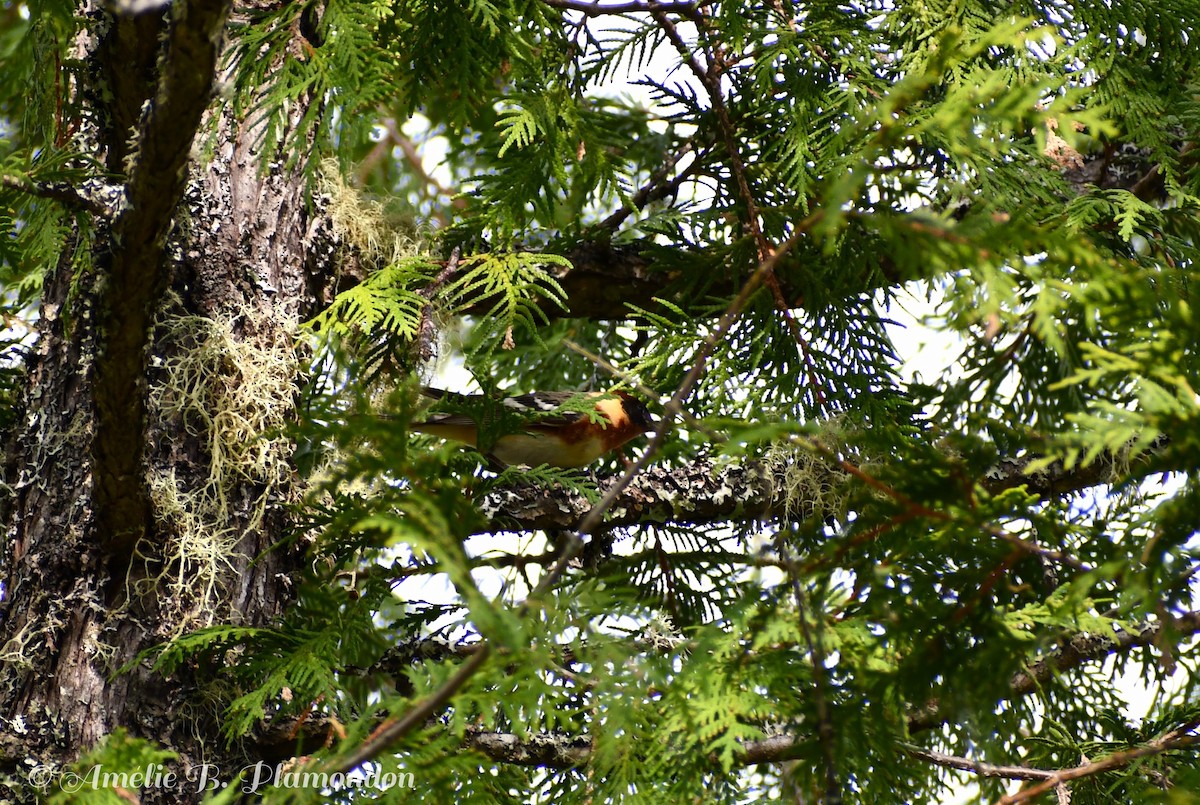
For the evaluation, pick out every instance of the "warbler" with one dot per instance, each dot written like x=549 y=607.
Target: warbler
x=559 y=438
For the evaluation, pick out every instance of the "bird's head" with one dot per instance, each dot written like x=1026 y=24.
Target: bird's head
x=636 y=410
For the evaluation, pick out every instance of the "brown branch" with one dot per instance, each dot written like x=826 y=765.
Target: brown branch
x=56 y=191
x=1175 y=739
x=135 y=273
x=604 y=281
x=978 y=766
x=517 y=560
x=1029 y=547
x=1080 y=650
x=1151 y=187
x=708 y=491
x=596 y=9
x=659 y=186
x=413 y=157
x=559 y=750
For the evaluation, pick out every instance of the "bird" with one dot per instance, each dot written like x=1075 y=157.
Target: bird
x=548 y=435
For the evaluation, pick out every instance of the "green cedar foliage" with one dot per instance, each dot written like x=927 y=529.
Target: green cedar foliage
x=907 y=146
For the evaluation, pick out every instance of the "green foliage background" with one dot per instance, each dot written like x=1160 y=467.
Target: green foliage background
x=905 y=145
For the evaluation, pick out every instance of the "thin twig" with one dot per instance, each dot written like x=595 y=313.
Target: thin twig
x=659 y=187
x=978 y=766
x=393 y=731
x=674 y=406
x=1028 y=546
x=413 y=158
x=710 y=78
x=610 y=367
x=816 y=647
x=516 y=560
x=396 y=138
x=426 y=330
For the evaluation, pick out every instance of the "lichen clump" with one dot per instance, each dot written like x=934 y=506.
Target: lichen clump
x=234 y=393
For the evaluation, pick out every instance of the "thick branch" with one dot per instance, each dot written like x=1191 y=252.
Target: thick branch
x=606 y=279
x=554 y=751
x=1083 y=648
x=63 y=192
x=1008 y=473
x=1079 y=650
x=560 y=751
x=594 y=8
x=707 y=491
x=701 y=492
x=136 y=276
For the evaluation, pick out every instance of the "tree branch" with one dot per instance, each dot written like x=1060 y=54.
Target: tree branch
x=598 y=9
x=547 y=750
x=393 y=729
x=1175 y=739
x=135 y=274
x=605 y=280
x=978 y=766
x=1078 y=650
x=661 y=185
x=559 y=751
x=709 y=491
x=61 y=192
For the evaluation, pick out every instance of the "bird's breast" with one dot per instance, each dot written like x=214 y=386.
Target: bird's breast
x=532 y=449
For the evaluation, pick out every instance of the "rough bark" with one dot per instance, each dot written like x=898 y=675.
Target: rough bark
x=133 y=273
x=708 y=491
x=122 y=527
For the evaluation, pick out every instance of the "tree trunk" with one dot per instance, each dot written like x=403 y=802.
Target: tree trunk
x=217 y=368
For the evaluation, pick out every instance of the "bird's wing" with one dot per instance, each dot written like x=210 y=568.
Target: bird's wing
x=538 y=405
x=543 y=403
